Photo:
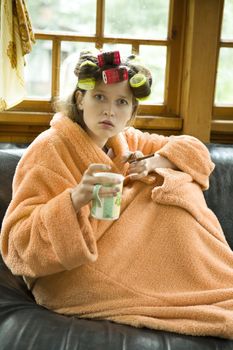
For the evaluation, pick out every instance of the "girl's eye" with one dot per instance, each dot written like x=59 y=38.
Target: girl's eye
x=99 y=97
x=122 y=101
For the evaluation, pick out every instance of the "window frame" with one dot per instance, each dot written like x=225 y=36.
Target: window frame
x=25 y=111
x=183 y=104
x=222 y=115
x=223 y=112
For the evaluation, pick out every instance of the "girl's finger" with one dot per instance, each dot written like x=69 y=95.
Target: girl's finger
x=137 y=176
x=131 y=156
x=103 y=180
x=134 y=176
x=126 y=156
x=138 y=164
x=138 y=169
x=138 y=154
x=87 y=188
x=109 y=193
x=93 y=168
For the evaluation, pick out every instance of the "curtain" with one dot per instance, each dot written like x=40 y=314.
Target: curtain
x=16 y=40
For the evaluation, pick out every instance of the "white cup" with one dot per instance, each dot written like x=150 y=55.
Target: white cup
x=107 y=208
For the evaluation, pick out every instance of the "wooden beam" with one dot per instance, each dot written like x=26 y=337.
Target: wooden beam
x=200 y=61
x=33 y=106
x=223 y=112
x=176 y=28
x=25 y=118
x=222 y=126
x=158 y=123
x=100 y=36
x=56 y=61
x=100 y=15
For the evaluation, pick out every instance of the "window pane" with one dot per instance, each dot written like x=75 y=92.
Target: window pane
x=154 y=58
x=69 y=57
x=125 y=50
x=76 y=16
x=227 y=25
x=224 y=86
x=38 y=70
x=137 y=18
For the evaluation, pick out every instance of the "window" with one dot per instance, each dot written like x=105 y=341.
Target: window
x=224 y=79
x=187 y=44
x=144 y=27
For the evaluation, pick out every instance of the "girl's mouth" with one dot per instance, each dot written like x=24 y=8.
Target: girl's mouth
x=107 y=123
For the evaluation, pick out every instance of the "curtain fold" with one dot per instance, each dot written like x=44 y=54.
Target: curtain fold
x=16 y=40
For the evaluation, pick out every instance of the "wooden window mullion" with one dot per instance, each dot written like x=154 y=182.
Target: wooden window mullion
x=176 y=27
x=100 y=20
x=56 y=60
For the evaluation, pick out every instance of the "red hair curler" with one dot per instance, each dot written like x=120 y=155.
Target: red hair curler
x=109 y=58
x=115 y=75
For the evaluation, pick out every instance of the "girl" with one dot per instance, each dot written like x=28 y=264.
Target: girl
x=165 y=263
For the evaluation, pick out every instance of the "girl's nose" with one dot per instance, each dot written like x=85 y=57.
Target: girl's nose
x=109 y=111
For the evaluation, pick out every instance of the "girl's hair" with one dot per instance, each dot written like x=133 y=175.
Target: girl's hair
x=89 y=71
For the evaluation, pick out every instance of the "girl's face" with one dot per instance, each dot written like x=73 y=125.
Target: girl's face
x=106 y=110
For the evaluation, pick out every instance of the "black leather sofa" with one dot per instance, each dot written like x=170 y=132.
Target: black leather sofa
x=25 y=326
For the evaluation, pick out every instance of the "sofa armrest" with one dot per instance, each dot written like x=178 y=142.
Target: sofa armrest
x=219 y=196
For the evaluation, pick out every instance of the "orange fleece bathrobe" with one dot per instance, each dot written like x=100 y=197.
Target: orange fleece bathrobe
x=165 y=264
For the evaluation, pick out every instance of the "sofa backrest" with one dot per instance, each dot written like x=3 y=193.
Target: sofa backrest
x=219 y=196
x=8 y=161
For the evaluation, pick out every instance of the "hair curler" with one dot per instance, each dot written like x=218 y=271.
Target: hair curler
x=114 y=75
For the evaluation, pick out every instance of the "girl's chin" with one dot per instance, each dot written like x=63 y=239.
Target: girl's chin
x=101 y=134
x=108 y=131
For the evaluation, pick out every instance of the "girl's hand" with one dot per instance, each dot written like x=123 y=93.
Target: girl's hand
x=137 y=169
x=82 y=194
x=145 y=166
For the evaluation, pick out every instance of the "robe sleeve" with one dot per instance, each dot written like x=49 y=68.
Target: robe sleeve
x=188 y=153
x=41 y=232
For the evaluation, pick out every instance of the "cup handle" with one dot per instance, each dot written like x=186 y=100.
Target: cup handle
x=96 y=190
